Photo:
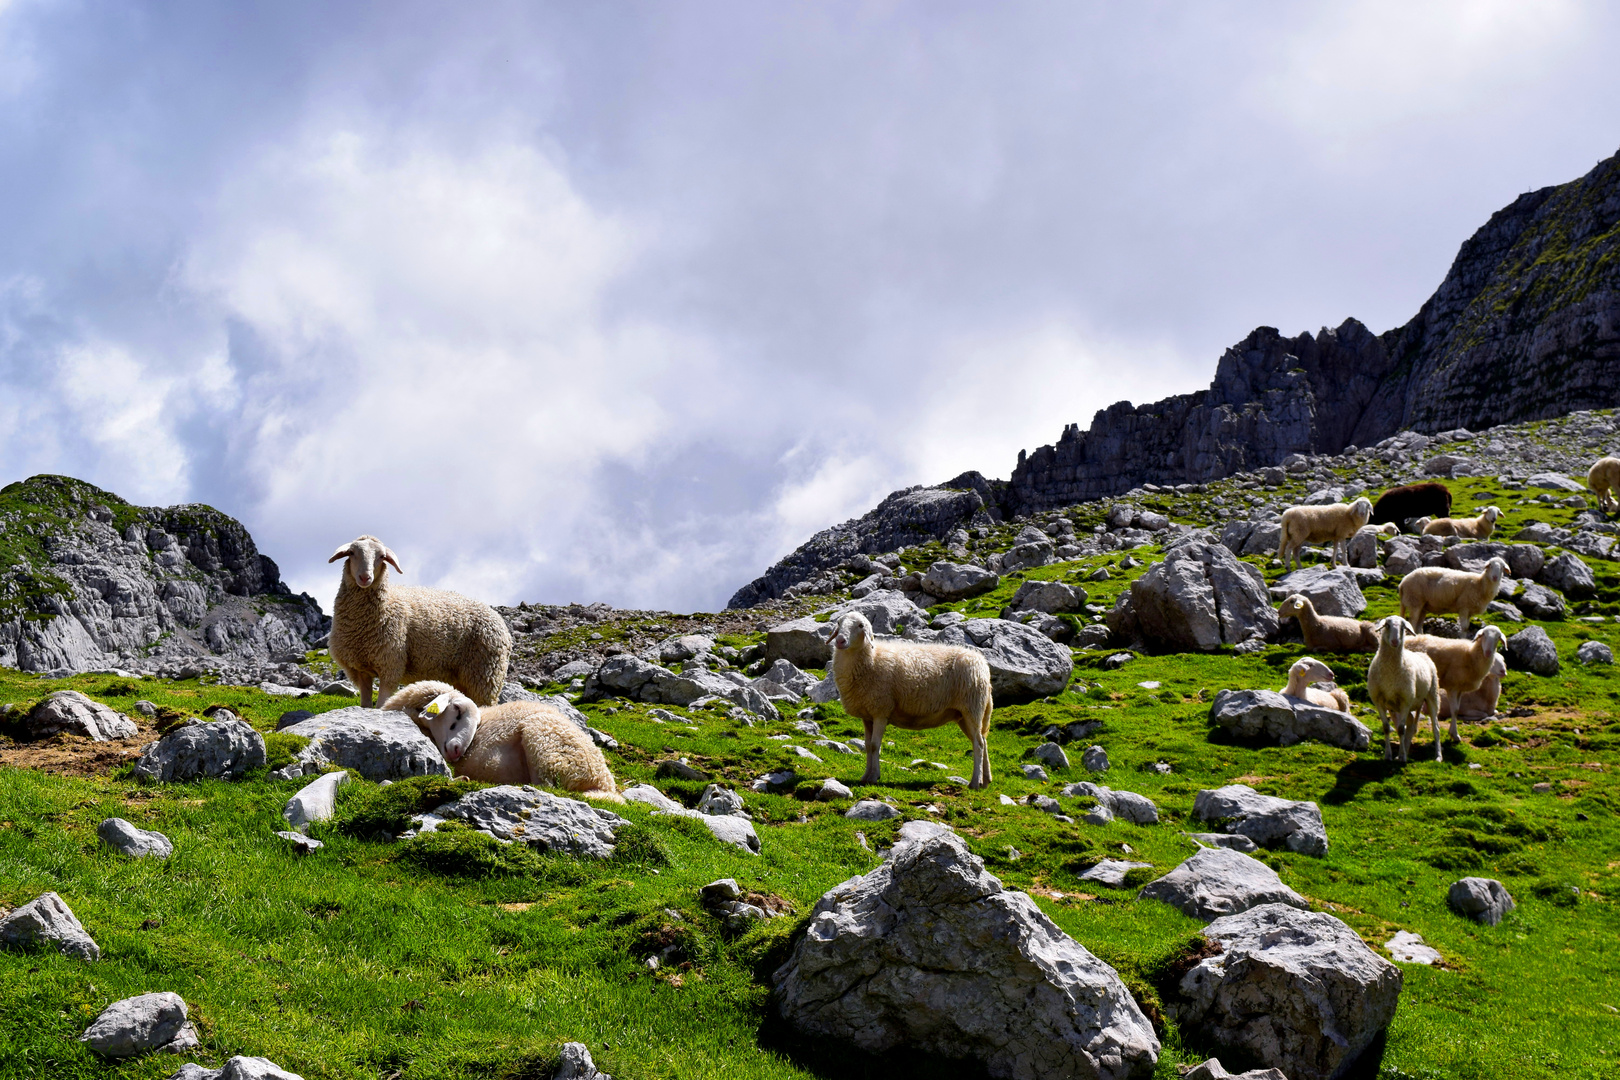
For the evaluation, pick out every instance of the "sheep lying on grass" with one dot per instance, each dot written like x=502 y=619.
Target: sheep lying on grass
x=1475 y=528
x=1434 y=590
x=402 y=633
x=1401 y=504
x=1604 y=480
x=1477 y=704
x=1463 y=665
x=1334 y=524
x=521 y=742
x=1307 y=670
x=913 y=686
x=1328 y=633
x=1401 y=683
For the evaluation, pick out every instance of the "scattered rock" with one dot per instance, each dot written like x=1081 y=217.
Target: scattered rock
x=1111 y=872
x=1594 y=652
x=119 y=834
x=1052 y=597
x=1052 y=754
x=1095 y=759
x=727 y=828
x=532 y=816
x=1554 y=481
x=291 y=717
x=1330 y=591
x=574 y=1063
x=1200 y=597
x=1126 y=804
x=223 y=748
x=1268 y=821
x=315 y=801
x=831 y=789
x=1212 y=1069
x=1025 y=664
x=1117 y=661
x=48 y=920
x=1251 y=714
x=1532 y=650
x=1033 y=772
x=142 y=1024
x=377 y=744
x=1218 y=881
x=236 y=1068
x=1223 y=840
x=680 y=770
x=776 y=783
x=718 y=802
x=1539 y=602
x=301 y=844
x=72 y=712
x=957 y=581
x=1485 y=900
x=636 y=679
x=786 y=675
x=1408 y=948
x=1568 y=574
x=871 y=810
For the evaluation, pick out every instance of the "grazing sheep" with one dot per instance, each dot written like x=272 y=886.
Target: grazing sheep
x=1328 y=633
x=1401 y=683
x=402 y=633
x=1475 y=528
x=1463 y=665
x=1477 y=704
x=1307 y=670
x=1433 y=590
x=913 y=686
x=1333 y=524
x=1604 y=480
x=1400 y=504
x=521 y=742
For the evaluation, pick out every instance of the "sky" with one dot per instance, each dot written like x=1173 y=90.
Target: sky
x=622 y=301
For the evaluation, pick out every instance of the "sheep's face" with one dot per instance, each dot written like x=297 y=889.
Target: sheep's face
x=1496 y=568
x=852 y=630
x=1494 y=638
x=452 y=720
x=1362 y=508
x=1291 y=607
x=1491 y=514
x=1311 y=670
x=1393 y=630
x=368 y=559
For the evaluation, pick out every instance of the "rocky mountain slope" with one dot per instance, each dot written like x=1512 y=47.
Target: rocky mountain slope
x=88 y=580
x=1525 y=326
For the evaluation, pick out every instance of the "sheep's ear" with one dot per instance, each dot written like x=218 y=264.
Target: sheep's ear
x=388 y=557
x=341 y=553
x=437 y=705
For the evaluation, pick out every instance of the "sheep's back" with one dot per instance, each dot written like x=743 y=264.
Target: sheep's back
x=923 y=678
x=451 y=636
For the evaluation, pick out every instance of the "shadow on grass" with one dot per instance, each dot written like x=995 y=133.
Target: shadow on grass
x=836 y=1059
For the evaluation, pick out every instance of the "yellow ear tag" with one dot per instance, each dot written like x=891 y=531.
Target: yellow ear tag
x=436 y=706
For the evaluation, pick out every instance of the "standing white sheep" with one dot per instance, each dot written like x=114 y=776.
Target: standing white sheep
x=1401 y=684
x=1433 y=590
x=913 y=686
x=1333 y=524
x=402 y=633
x=1462 y=665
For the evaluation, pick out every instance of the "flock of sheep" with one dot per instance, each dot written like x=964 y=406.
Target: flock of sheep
x=441 y=658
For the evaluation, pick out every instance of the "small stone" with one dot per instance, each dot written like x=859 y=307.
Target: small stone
x=1223 y=840
x=136 y=843
x=137 y=1025
x=301 y=844
x=831 y=789
x=48 y=920
x=1485 y=900
x=1033 y=772
x=1006 y=801
x=1098 y=815
x=1408 y=948
x=575 y=1064
x=315 y=801
x=1095 y=759
x=717 y=892
x=1118 y=660
x=1594 y=652
x=1111 y=872
x=1052 y=755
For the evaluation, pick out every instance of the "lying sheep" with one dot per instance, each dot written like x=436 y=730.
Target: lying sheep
x=1604 y=480
x=1401 y=684
x=1400 y=504
x=1433 y=590
x=1477 y=704
x=1328 y=633
x=1463 y=665
x=1474 y=528
x=1307 y=670
x=521 y=742
x=913 y=686
x=1333 y=524
x=402 y=633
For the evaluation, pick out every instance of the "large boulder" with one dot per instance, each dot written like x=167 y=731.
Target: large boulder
x=1025 y=664
x=1218 y=881
x=72 y=712
x=801 y=642
x=957 y=581
x=1052 y=597
x=1485 y=900
x=1568 y=574
x=1524 y=560
x=377 y=744
x=1028 y=556
x=1474 y=556
x=929 y=952
x=1330 y=591
x=1297 y=990
x=141 y=1024
x=1253 y=714
x=223 y=749
x=1533 y=651
x=532 y=816
x=48 y=920
x=1200 y=597
x=1268 y=821
x=1539 y=602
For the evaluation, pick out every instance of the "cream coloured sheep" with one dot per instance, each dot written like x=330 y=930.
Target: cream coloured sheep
x=401 y=633
x=913 y=686
x=1333 y=524
x=1463 y=665
x=1604 y=480
x=1328 y=633
x=1474 y=528
x=521 y=742
x=1434 y=590
x=1477 y=704
x=1401 y=683
x=1307 y=670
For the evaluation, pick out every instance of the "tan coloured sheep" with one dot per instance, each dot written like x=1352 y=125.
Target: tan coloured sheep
x=1434 y=590
x=1477 y=704
x=1474 y=528
x=521 y=742
x=1401 y=684
x=1604 y=480
x=1328 y=633
x=913 y=686
x=401 y=633
x=1307 y=670
x=1333 y=524
x=1463 y=665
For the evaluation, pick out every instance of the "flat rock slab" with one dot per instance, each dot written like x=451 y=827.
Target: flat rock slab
x=1485 y=900
x=1267 y=714
x=221 y=749
x=120 y=835
x=727 y=828
x=532 y=816
x=1122 y=804
x=1297 y=990
x=315 y=801
x=1268 y=821
x=929 y=951
x=1408 y=948
x=301 y=844
x=377 y=744
x=236 y=1068
x=1111 y=872
x=48 y=921
x=72 y=712
x=1216 y=882
x=142 y=1024
x=1223 y=840
x=871 y=810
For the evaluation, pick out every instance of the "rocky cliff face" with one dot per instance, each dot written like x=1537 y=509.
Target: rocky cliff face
x=88 y=580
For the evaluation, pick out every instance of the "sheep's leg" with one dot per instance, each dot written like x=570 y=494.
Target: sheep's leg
x=1408 y=725
x=970 y=728
x=1434 y=728
x=1383 y=716
x=362 y=683
x=1456 y=704
x=874 y=742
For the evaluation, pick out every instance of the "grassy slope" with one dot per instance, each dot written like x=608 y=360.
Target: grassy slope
x=369 y=960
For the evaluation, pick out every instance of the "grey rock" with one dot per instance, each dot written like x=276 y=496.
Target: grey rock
x=1532 y=650
x=533 y=816
x=1223 y=840
x=1401 y=557
x=291 y=717
x=138 y=1025
x=871 y=810
x=1330 y=591
x=48 y=920
x=1125 y=804
x=219 y=748
x=1473 y=557
x=634 y=678
x=1265 y=713
x=1095 y=759
x=1052 y=754
x=1219 y=881
x=1097 y=815
x=1525 y=560
x=377 y=744
x=1539 y=602
x=1485 y=900
x=1024 y=663
x=929 y=951
x=1028 y=556
x=1554 y=481
x=824 y=691
x=575 y=1063
x=831 y=790
x=1408 y=948
x=684 y=647
x=237 y=1068
x=574 y=669
x=648 y=795
x=719 y=802
x=1362 y=549
x=1118 y=660
x=1052 y=597
x=1111 y=872
x=776 y=783
x=315 y=801
x=1212 y=1069
x=1568 y=574
x=137 y=843
x=1297 y=990
x=1594 y=652
x=785 y=674
x=721 y=891
x=340 y=688
x=1263 y=539
x=1053 y=627
x=730 y=829
x=1091 y=637
x=1200 y=597
x=301 y=844
x=1033 y=772
x=145 y=708
x=1268 y=821
x=72 y=712
x=957 y=581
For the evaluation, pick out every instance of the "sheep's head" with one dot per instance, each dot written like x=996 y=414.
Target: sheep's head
x=1494 y=639
x=1392 y=631
x=1292 y=606
x=452 y=721
x=1389 y=528
x=853 y=629
x=1491 y=513
x=1308 y=669
x=1496 y=569
x=1362 y=508
x=366 y=557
